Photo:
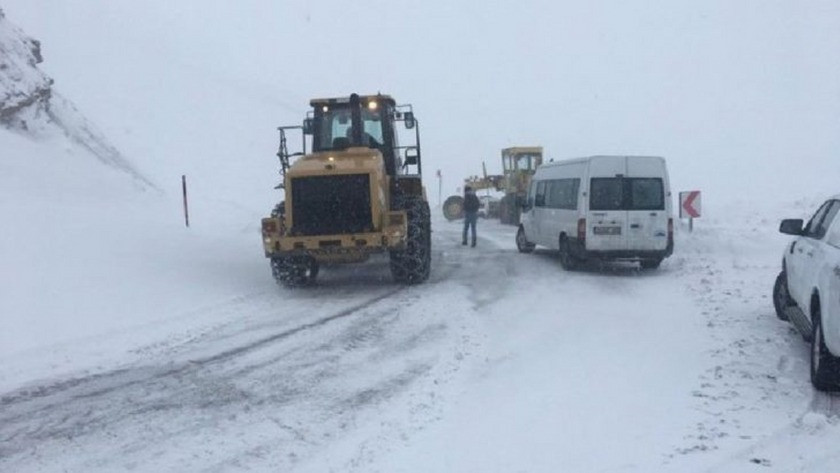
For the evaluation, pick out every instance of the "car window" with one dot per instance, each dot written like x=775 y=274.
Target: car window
x=812 y=229
x=828 y=219
x=833 y=236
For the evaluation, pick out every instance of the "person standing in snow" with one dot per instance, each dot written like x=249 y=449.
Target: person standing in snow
x=471 y=205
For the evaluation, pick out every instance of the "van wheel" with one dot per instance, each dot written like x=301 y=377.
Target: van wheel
x=781 y=296
x=650 y=263
x=522 y=243
x=567 y=260
x=824 y=365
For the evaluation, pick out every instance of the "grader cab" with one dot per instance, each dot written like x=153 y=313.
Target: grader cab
x=519 y=165
x=358 y=192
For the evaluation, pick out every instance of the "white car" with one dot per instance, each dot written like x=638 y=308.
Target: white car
x=807 y=291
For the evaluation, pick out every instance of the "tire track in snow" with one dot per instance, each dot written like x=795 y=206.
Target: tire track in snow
x=299 y=382
x=28 y=404
x=14 y=398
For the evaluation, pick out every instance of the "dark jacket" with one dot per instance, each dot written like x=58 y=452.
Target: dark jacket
x=471 y=203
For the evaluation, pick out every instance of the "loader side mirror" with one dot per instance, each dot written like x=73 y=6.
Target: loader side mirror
x=409 y=120
x=412 y=156
x=308 y=127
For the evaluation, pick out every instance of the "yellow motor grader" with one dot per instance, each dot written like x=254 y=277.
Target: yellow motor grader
x=357 y=192
x=518 y=163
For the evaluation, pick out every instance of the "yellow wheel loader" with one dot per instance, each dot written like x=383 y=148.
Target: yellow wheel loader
x=358 y=192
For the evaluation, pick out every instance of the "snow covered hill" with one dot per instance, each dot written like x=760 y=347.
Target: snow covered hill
x=89 y=244
x=30 y=105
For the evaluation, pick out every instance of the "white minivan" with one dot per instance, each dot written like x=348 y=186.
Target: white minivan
x=600 y=207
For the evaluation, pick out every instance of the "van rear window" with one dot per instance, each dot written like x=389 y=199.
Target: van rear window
x=626 y=193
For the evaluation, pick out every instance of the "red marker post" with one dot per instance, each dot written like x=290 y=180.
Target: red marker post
x=690 y=207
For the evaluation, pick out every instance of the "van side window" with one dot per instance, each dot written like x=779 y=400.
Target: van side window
x=532 y=189
x=563 y=194
x=539 y=200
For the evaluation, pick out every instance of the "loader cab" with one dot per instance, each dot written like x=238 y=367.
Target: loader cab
x=364 y=121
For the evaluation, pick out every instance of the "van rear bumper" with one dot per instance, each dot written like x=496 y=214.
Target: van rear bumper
x=579 y=250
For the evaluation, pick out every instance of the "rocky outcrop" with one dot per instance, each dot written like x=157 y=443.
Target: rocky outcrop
x=30 y=105
x=25 y=91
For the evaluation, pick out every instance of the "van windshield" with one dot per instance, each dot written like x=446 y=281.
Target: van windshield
x=626 y=193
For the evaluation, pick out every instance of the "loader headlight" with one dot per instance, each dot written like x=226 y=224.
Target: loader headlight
x=372 y=105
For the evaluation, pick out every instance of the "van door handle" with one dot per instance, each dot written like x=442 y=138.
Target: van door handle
x=837 y=271
x=653 y=214
x=635 y=225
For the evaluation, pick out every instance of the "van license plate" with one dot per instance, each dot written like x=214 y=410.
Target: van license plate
x=606 y=230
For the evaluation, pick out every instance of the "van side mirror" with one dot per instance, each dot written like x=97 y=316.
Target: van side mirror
x=412 y=156
x=409 y=120
x=308 y=127
x=791 y=226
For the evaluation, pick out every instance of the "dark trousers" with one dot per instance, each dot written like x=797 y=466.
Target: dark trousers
x=470 y=219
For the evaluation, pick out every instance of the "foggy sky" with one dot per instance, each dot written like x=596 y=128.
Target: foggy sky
x=742 y=98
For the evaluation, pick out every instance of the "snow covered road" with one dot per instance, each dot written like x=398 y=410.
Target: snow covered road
x=502 y=362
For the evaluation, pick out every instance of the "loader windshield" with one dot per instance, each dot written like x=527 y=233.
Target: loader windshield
x=335 y=129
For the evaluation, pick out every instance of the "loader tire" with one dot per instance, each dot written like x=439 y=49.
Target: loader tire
x=294 y=271
x=279 y=210
x=412 y=264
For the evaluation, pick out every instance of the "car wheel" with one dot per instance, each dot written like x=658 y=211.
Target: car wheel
x=824 y=365
x=781 y=296
x=522 y=243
